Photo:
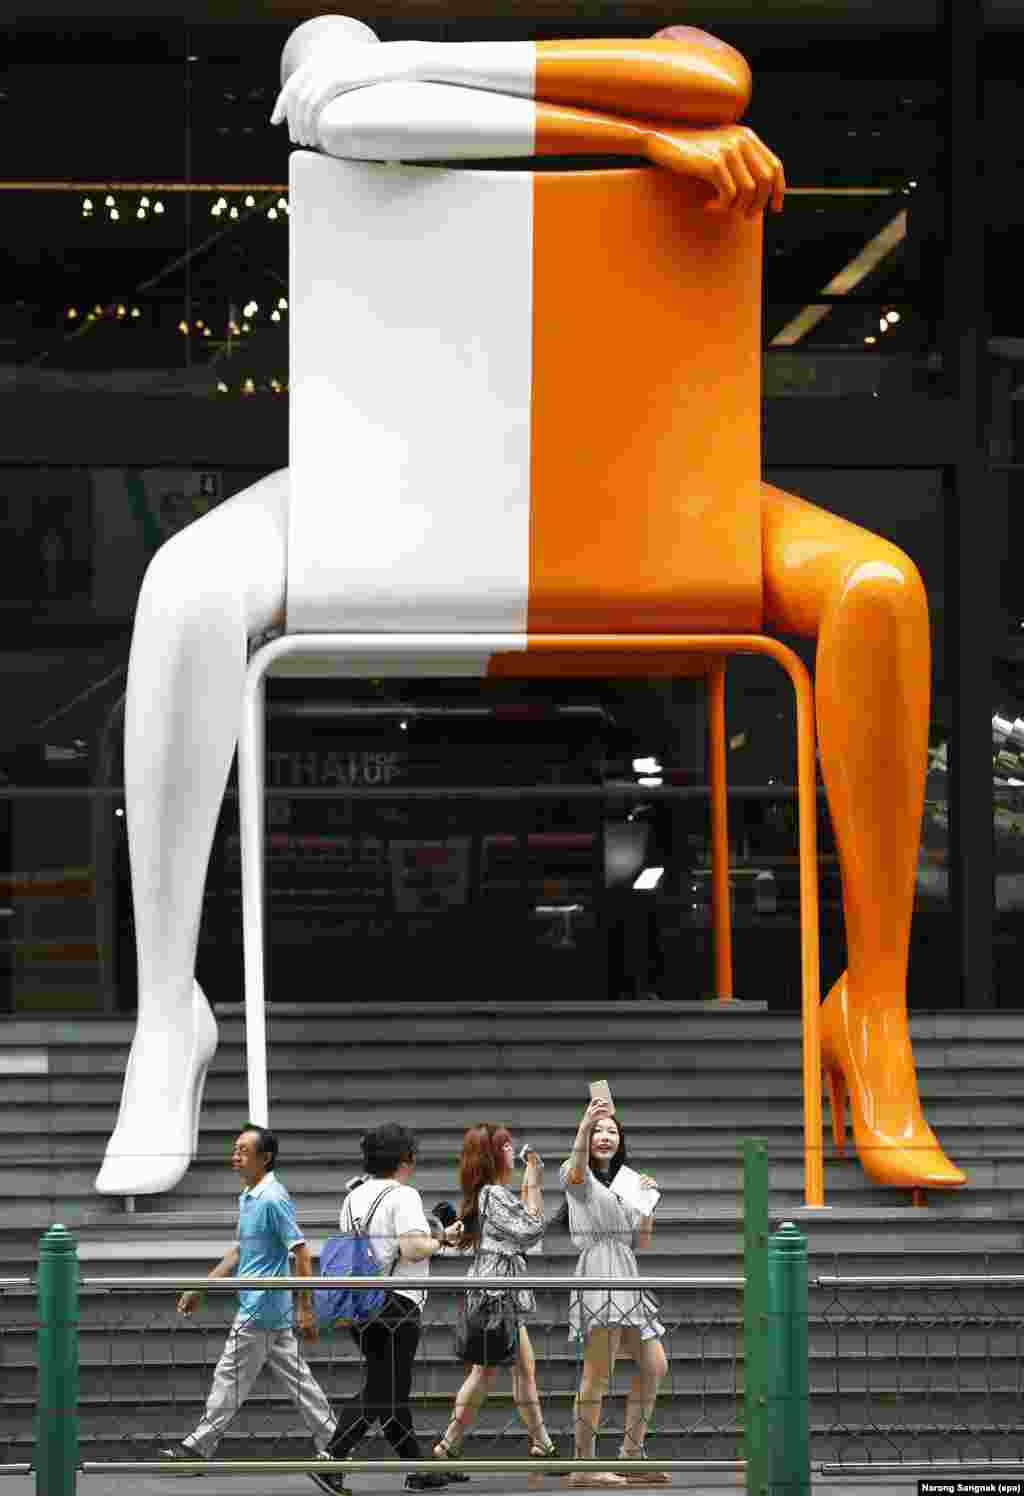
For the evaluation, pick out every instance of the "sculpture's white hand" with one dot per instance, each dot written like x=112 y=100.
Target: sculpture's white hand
x=335 y=70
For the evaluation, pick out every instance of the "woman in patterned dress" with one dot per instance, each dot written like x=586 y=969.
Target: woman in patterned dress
x=609 y=1322
x=501 y=1228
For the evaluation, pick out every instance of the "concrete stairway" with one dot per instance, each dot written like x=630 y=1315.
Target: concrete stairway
x=689 y=1082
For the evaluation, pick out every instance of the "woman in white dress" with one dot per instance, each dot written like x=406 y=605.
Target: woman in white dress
x=501 y=1227
x=610 y=1322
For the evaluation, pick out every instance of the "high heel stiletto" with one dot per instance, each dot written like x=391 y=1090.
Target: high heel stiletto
x=836 y=1082
x=867 y=1059
x=154 y=1142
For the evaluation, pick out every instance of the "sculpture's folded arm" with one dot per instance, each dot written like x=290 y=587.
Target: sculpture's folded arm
x=403 y=121
x=687 y=78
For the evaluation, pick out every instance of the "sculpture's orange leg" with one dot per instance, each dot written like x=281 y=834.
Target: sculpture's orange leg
x=864 y=601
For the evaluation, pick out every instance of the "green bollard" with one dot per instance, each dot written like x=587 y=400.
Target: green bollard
x=56 y=1460
x=755 y=1315
x=789 y=1404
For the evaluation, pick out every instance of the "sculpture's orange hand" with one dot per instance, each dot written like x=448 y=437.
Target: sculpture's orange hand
x=742 y=173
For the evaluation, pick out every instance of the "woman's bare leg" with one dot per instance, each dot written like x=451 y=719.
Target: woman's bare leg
x=864 y=601
x=469 y=1399
x=207 y=590
x=524 y=1392
x=651 y=1367
x=598 y=1365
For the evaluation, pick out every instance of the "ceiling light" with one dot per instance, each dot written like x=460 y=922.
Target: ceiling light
x=233 y=213
x=894 y=316
x=222 y=387
x=108 y=201
x=183 y=326
x=282 y=302
x=246 y=327
x=122 y=311
x=140 y=213
x=72 y=312
x=650 y=783
x=646 y=766
x=114 y=214
x=272 y=213
x=158 y=206
x=649 y=878
x=136 y=312
x=87 y=204
x=871 y=339
x=883 y=324
x=250 y=201
x=144 y=202
x=248 y=387
x=97 y=310
x=275 y=315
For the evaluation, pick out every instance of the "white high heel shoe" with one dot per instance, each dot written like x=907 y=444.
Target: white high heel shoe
x=154 y=1142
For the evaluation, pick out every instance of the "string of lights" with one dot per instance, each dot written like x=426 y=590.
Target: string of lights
x=118 y=210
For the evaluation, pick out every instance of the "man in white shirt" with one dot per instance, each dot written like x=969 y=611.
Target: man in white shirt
x=401 y=1241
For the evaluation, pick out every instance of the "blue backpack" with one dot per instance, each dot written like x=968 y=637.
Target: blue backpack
x=350 y=1256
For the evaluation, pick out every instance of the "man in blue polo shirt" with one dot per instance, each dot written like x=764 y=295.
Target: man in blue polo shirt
x=262 y=1332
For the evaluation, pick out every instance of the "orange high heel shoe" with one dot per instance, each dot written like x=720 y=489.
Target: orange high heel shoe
x=868 y=1060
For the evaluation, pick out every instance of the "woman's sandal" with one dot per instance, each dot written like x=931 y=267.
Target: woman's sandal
x=644 y=1477
x=549 y=1453
x=444 y=1451
x=606 y=1478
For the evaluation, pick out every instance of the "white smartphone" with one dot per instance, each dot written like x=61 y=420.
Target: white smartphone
x=601 y=1091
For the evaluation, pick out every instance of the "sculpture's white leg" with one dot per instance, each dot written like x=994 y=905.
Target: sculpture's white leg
x=206 y=591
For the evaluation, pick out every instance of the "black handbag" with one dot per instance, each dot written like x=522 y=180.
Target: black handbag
x=488 y=1334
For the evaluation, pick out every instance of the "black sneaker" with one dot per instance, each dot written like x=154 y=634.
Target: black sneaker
x=329 y=1480
x=426 y=1480
x=181 y=1452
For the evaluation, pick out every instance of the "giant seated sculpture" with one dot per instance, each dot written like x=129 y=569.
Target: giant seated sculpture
x=525 y=436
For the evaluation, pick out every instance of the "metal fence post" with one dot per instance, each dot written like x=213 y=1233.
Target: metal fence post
x=56 y=1458
x=755 y=1314
x=789 y=1403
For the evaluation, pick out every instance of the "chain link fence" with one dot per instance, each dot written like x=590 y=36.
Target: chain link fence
x=19 y=1373
x=917 y=1373
x=147 y=1369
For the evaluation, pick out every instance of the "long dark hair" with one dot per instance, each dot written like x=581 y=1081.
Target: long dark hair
x=481 y=1162
x=560 y=1219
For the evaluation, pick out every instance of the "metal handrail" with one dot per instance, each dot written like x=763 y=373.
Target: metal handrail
x=919 y=1467
x=340 y=1467
x=939 y=1280
x=412 y=1285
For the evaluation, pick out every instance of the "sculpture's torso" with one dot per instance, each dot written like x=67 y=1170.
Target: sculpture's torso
x=521 y=402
